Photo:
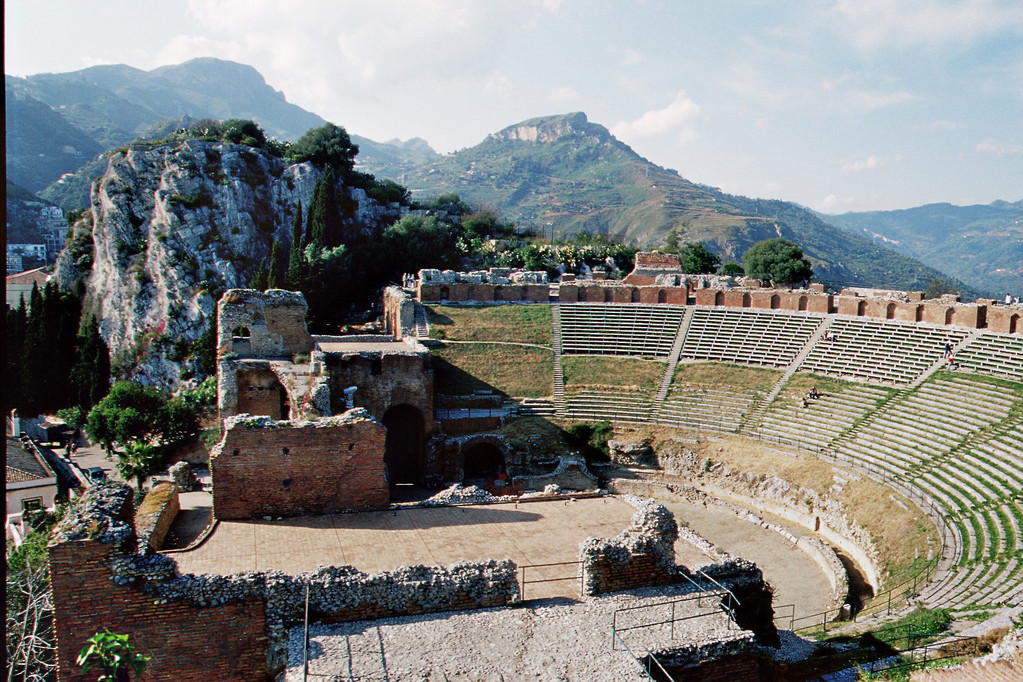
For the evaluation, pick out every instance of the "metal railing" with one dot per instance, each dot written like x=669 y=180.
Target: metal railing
x=673 y=618
x=523 y=581
x=646 y=664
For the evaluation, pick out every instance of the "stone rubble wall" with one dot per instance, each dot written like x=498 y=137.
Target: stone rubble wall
x=99 y=580
x=264 y=467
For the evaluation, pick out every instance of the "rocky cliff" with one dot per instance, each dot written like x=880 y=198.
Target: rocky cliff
x=173 y=225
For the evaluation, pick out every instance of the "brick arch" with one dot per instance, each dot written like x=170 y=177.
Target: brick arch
x=261 y=393
x=775 y=301
x=889 y=311
x=445 y=293
x=803 y=303
x=950 y=315
x=662 y=296
x=1014 y=325
x=719 y=298
x=635 y=295
x=608 y=296
x=582 y=295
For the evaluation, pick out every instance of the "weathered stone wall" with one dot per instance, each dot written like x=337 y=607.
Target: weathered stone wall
x=275 y=320
x=399 y=313
x=266 y=467
x=384 y=381
x=98 y=580
x=641 y=556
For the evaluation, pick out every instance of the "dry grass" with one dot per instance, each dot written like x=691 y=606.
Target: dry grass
x=900 y=536
x=514 y=323
x=724 y=374
x=515 y=371
x=589 y=372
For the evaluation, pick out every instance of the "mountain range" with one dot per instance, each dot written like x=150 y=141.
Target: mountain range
x=560 y=173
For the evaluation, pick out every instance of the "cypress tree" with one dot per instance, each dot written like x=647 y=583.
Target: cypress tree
x=275 y=278
x=296 y=258
x=90 y=376
x=324 y=218
x=259 y=278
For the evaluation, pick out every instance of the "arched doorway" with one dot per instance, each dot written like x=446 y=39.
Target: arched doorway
x=403 y=444
x=482 y=461
x=719 y=298
x=662 y=296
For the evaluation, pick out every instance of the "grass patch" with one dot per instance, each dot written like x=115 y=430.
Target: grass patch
x=155 y=500
x=514 y=371
x=585 y=372
x=724 y=374
x=803 y=382
x=514 y=323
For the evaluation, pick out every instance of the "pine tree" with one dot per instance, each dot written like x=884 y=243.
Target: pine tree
x=275 y=278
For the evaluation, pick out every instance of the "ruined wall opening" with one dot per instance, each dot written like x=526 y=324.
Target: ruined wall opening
x=889 y=311
x=403 y=444
x=861 y=308
x=662 y=296
x=719 y=298
x=482 y=461
x=775 y=302
x=1013 y=324
x=445 y=293
x=803 y=303
x=241 y=340
x=608 y=296
x=635 y=295
x=950 y=315
x=919 y=317
x=260 y=392
x=582 y=295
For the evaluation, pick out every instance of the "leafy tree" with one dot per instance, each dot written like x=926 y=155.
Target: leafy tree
x=138 y=461
x=260 y=278
x=135 y=414
x=112 y=654
x=389 y=192
x=697 y=260
x=416 y=242
x=327 y=145
x=733 y=269
x=243 y=131
x=778 y=260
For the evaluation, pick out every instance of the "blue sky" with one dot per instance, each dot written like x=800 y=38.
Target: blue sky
x=836 y=104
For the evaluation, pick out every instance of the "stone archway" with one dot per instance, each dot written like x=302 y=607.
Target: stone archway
x=482 y=460
x=404 y=444
x=662 y=296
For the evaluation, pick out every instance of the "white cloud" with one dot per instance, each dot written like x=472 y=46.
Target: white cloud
x=631 y=58
x=562 y=95
x=681 y=118
x=497 y=85
x=946 y=125
x=870 y=163
x=871 y=25
x=990 y=146
x=832 y=203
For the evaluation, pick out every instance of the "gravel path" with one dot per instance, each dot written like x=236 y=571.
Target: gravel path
x=556 y=640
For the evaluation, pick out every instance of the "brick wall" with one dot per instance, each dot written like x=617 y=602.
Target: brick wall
x=384 y=381
x=177 y=636
x=263 y=467
x=741 y=667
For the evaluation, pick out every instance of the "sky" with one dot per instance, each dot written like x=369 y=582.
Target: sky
x=839 y=105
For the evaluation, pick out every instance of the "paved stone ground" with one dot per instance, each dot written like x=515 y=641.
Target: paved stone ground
x=528 y=533
x=796 y=578
x=559 y=640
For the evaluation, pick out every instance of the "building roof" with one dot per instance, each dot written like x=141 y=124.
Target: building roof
x=34 y=276
x=23 y=465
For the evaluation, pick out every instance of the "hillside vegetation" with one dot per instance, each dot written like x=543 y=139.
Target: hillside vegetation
x=981 y=245
x=566 y=174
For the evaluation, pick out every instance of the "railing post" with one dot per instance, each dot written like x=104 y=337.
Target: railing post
x=673 y=621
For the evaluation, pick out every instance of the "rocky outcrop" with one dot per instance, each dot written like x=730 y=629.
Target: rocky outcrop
x=172 y=226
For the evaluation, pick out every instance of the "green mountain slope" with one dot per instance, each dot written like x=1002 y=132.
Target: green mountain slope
x=564 y=173
x=981 y=245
